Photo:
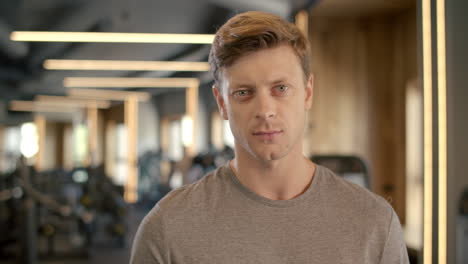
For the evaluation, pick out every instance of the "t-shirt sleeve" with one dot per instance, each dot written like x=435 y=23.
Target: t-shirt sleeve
x=395 y=251
x=149 y=245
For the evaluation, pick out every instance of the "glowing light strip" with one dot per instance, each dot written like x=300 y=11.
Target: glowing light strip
x=107 y=94
x=123 y=82
x=41 y=109
x=427 y=84
x=442 y=115
x=65 y=100
x=33 y=106
x=60 y=36
x=121 y=65
x=75 y=103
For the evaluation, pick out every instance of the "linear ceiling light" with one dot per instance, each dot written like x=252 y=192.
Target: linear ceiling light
x=61 y=104
x=58 y=100
x=107 y=94
x=31 y=106
x=121 y=65
x=124 y=82
x=60 y=36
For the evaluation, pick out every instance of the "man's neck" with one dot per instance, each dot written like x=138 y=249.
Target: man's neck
x=282 y=179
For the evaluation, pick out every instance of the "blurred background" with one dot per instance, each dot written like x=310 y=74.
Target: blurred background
x=106 y=106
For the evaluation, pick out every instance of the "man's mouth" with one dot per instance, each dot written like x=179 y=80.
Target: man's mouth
x=267 y=134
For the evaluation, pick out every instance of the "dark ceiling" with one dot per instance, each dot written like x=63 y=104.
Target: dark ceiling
x=22 y=75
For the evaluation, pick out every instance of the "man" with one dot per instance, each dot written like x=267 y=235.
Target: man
x=270 y=204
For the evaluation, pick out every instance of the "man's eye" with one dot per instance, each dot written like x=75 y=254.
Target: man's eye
x=242 y=93
x=281 y=88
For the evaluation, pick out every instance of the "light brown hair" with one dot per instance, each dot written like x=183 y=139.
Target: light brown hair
x=252 y=31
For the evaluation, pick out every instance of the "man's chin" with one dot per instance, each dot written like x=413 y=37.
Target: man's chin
x=265 y=153
x=270 y=156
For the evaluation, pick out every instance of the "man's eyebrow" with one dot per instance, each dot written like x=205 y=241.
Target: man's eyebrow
x=241 y=84
x=279 y=80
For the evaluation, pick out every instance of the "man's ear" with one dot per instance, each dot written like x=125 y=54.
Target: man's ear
x=309 y=92
x=220 y=101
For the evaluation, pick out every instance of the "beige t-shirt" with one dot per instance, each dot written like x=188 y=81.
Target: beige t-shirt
x=218 y=220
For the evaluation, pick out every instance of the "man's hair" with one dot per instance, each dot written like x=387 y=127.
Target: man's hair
x=252 y=31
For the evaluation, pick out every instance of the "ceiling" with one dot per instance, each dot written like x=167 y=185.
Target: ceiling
x=22 y=75
x=360 y=7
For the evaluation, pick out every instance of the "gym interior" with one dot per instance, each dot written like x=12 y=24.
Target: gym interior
x=105 y=107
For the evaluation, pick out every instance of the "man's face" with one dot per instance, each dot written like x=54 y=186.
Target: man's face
x=265 y=98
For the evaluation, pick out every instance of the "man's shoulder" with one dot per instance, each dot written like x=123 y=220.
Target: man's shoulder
x=175 y=213
x=190 y=197
x=353 y=198
x=363 y=216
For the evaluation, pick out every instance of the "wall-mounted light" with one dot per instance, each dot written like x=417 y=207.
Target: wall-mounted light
x=434 y=88
x=122 y=65
x=428 y=136
x=442 y=130
x=60 y=36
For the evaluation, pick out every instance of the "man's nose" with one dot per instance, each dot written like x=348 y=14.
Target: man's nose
x=265 y=108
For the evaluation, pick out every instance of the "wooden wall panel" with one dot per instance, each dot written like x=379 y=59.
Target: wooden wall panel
x=338 y=117
x=101 y=138
x=68 y=162
x=339 y=108
x=361 y=67
x=59 y=147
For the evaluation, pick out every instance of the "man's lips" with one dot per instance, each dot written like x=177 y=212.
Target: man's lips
x=267 y=133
